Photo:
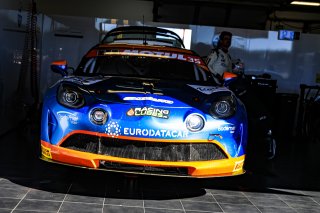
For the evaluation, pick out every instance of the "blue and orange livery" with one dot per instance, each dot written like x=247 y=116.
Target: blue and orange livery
x=143 y=108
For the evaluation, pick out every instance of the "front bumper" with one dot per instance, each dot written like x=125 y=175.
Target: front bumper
x=199 y=169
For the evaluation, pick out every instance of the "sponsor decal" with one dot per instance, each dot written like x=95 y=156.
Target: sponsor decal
x=64 y=115
x=204 y=89
x=92 y=81
x=149 y=111
x=83 y=80
x=238 y=165
x=46 y=152
x=113 y=129
x=230 y=129
x=150 y=53
x=148 y=99
x=163 y=133
x=208 y=89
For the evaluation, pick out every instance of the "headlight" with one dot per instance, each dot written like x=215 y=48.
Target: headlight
x=70 y=96
x=194 y=122
x=99 y=116
x=223 y=107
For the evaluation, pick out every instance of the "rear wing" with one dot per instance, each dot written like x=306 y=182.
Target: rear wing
x=143 y=35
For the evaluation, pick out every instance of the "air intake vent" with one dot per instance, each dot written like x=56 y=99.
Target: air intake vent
x=145 y=150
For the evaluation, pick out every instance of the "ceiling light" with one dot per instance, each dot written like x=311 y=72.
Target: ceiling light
x=305 y=3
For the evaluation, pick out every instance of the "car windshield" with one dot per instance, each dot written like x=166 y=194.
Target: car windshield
x=145 y=67
x=143 y=35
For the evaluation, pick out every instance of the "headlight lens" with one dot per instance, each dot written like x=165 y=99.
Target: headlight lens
x=223 y=107
x=194 y=122
x=70 y=96
x=99 y=116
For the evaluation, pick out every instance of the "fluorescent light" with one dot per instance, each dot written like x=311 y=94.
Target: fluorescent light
x=305 y=3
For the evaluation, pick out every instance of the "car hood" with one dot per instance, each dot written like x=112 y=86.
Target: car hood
x=148 y=92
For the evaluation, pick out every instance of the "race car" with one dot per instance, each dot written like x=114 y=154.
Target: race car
x=139 y=102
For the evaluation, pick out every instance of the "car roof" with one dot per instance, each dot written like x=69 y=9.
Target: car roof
x=146 y=35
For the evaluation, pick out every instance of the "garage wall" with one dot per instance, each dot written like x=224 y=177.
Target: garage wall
x=119 y=9
x=64 y=37
x=12 y=36
x=14 y=4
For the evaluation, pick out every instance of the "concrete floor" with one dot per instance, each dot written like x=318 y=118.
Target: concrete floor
x=288 y=183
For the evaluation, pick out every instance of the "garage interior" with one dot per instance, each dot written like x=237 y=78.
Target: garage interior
x=36 y=32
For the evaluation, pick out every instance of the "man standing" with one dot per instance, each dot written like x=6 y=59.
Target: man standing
x=219 y=60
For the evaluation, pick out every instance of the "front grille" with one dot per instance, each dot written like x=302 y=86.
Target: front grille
x=144 y=150
x=143 y=169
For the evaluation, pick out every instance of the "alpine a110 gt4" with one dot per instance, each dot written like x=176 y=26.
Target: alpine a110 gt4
x=139 y=102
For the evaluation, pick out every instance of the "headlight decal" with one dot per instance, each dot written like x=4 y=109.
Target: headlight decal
x=243 y=139
x=52 y=124
x=240 y=138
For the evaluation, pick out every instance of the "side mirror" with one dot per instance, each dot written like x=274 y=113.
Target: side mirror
x=228 y=77
x=60 y=67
